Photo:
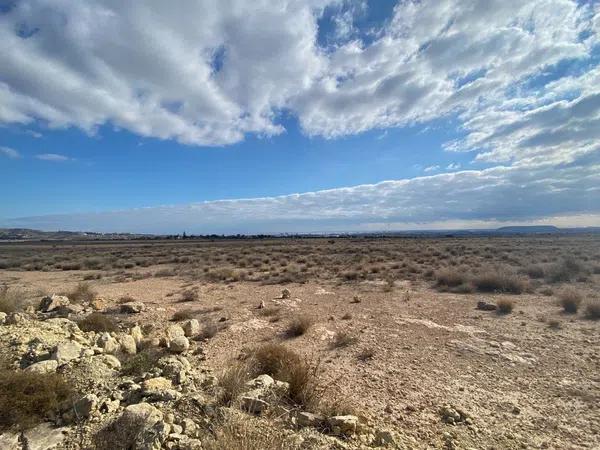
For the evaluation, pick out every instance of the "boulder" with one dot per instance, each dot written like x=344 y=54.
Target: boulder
x=307 y=419
x=132 y=307
x=48 y=366
x=66 y=351
x=343 y=424
x=261 y=382
x=191 y=327
x=108 y=360
x=128 y=345
x=106 y=342
x=10 y=441
x=179 y=344
x=85 y=406
x=52 y=302
x=137 y=334
x=43 y=437
x=142 y=413
x=174 y=331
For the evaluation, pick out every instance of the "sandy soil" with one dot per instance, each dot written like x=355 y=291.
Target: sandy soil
x=524 y=383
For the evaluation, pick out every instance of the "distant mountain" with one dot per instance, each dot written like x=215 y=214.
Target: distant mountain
x=529 y=229
x=25 y=234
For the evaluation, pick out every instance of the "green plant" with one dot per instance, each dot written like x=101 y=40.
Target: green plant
x=27 y=398
x=140 y=363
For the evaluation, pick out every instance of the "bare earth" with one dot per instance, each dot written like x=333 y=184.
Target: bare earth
x=524 y=383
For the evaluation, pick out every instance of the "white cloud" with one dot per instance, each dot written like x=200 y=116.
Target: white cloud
x=500 y=194
x=431 y=168
x=9 y=152
x=453 y=166
x=53 y=157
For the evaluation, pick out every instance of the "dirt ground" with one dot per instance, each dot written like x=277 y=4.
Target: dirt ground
x=529 y=379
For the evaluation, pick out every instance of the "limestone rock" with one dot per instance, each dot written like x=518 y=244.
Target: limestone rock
x=132 y=307
x=85 y=406
x=143 y=413
x=43 y=437
x=3 y=317
x=128 y=345
x=174 y=331
x=66 y=351
x=107 y=343
x=343 y=424
x=10 y=441
x=261 y=382
x=307 y=419
x=52 y=302
x=109 y=360
x=48 y=366
x=179 y=344
x=452 y=415
x=98 y=304
x=252 y=402
x=137 y=334
x=191 y=327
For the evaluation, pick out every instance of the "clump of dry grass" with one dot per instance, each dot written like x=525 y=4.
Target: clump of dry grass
x=27 y=398
x=188 y=296
x=592 y=310
x=570 y=299
x=140 y=363
x=98 y=322
x=505 y=306
x=209 y=330
x=554 y=324
x=499 y=280
x=366 y=354
x=11 y=300
x=568 y=269
x=82 y=293
x=453 y=280
x=298 y=326
x=184 y=314
x=343 y=339
x=232 y=383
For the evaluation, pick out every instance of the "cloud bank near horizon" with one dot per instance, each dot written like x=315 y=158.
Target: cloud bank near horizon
x=499 y=195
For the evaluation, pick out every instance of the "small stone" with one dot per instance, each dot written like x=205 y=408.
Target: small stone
x=261 y=381
x=85 y=406
x=110 y=360
x=485 y=306
x=189 y=427
x=128 y=345
x=48 y=366
x=261 y=305
x=66 y=351
x=384 y=437
x=132 y=307
x=191 y=327
x=252 y=403
x=52 y=302
x=307 y=419
x=137 y=334
x=174 y=331
x=177 y=429
x=142 y=412
x=3 y=317
x=285 y=293
x=344 y=424
x=98 y=304
x=179 y=344
x=108 y=343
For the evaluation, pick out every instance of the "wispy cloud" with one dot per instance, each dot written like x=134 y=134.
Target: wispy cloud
x=9 y=152
x=55 y=157
x=431 y=168
x=453 y=166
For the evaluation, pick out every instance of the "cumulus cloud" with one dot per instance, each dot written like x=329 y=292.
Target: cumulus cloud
x=210 y=72
x=54 y=157
x=492 y=195
x=10 y=152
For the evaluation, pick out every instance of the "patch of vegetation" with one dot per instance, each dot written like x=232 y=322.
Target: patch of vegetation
x=98 y=322
x=568 y=269
x=499 y=281
x=11 y=300
x=184 y=314
x=232 y=383
x=209 y=330
x=82 y=293
x=343 y=339
x=140 y=363
x=28 y=398
x=298 y=326
x=366 y=354
x=570 y=299
x=505 y=306
x=189 y=296
x=592 y=310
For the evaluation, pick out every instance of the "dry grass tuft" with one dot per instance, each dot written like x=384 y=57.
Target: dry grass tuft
x=11 y=300
x=140 y=363
x=570 y=299
x=98 y=322
x=232 y=383
x=298 y=326
x=343 y=339
x=501 y=280
x=82 y=293
x=27 y=398
x=592 y=310
x=366 y=354
x=505 y=306
x=184 y=314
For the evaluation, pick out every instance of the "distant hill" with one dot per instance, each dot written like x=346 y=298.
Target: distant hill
x=529 y=229
x=26 y=234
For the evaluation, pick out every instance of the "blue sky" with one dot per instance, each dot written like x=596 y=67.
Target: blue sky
x=211 y=119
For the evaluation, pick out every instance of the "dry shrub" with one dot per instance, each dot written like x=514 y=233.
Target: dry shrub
x=27 y=398
x=184 y=314
x=82 y=293
x=555 y=324
x=569 y=299
x=298 y=326
x=568 y=269
x=366 y=354
x=140 y=363
x=98 y=322
x=209 y=330
x=343 y=339
x=453 y=280
x=535 y=271
x=592 y=310
x=11 y=300
x=232 y=383
x=499 y=280
x=505 y=306
x=269 y=311
x=189 y=296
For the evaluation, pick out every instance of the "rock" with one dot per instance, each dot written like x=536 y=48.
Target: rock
x=98 y=304
x=137 y=335
x=10 y=441
x=67 y=310
x=383 y=438
x=452 y=415
x=159 y=389
x=307 y=419
x=252 y=402
x=177 y=429
x=128 y=345
x=48 y=366
x=132 y=307
x=16 y=318
x=109 y=406
x=189 y=427
x=261 y=305
x=174 y=331
x=285 y=293
x=109 y=360
x=191 y=327
x=43 y=437
x=143 y=413
x=179 y=344
x=175 y=367
x=261 y=382
x=66 y=351
x=85 y=406
x=106 y=342
x=484 y=306
x=52 y=302
x=343 y=424
x=3 y=317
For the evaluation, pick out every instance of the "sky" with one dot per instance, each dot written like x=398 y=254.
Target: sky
x=298 y=115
